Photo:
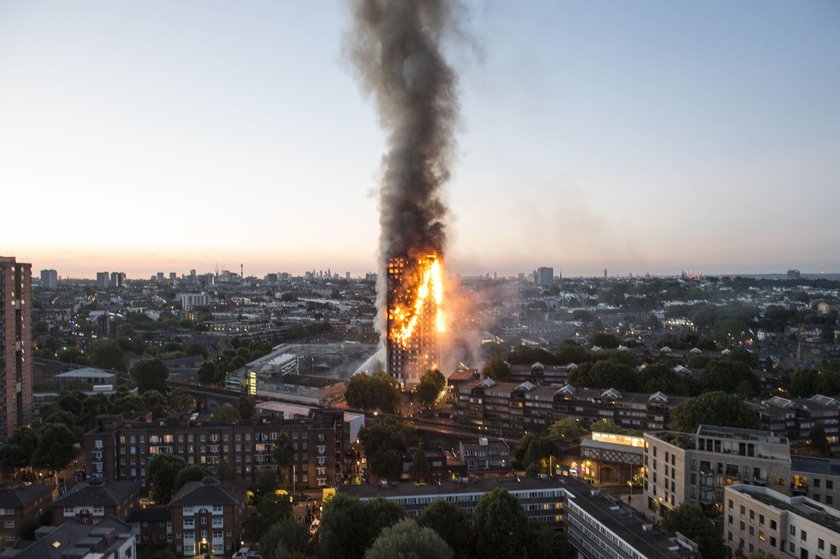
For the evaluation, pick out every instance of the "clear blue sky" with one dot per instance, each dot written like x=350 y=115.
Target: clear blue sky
x=637 y=136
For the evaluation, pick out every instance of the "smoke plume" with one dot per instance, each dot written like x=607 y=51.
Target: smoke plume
x=395 y=46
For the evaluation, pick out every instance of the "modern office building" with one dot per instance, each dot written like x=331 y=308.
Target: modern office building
x=103 y=280
x=49 y=279
x=695 y=468
x=15 y=345
x=760 y=519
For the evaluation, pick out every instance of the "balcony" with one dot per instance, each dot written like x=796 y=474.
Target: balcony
x=759 y=481
x=799 y=489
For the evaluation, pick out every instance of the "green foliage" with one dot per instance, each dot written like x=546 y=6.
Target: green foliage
x=407 y=540
x=420 y=469
x=150 y=374
x=807 y=382
x=501 y=526
x=284 y=538
x=605 y=426
x=693 y=523
x=265 y=483
x=192 y=472
x=713 y=408
x=378 y=391
x=571 y=352
x=817 y=442
x=384 y=442
x=156 y=403
x=544 y=543
x=528 y=355
x=18 y=449
x=283 y=454
x=210 y=373
x=533 y=451
x=430 y=387
x=349 y=526
x=723 y=375
x=55 y=447
x=246 y=406
x=602 y=340
x=661 y=378
x=107 y=354
x=566 y=429
x=451 y=524
x=161 y=472
x=497 y=369
x=72 y=355
x=605 y=374
x=227 y=413
x=761 y=554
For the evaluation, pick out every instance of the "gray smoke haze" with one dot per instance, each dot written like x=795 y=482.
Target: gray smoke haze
x=395 y=48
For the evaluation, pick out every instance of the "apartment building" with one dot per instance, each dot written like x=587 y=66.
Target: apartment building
x=15 y=345
x=18 y=504
x=597 y=525
x=207 y=518
x=816 y=478
x=95 y=499
x=695 y=468
x=108 y=539
x=119 y=447
x=795 y=417
x=761 y=519
x=515 y=407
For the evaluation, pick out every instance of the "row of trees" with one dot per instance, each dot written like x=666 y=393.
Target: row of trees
x=378 y=391
x=378 y=529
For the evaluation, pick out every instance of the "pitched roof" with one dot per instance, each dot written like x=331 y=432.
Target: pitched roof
x=205 y=492
x=95 y=492
x=22 y=496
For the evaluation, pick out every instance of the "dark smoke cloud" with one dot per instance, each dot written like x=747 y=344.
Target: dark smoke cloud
x=396 y=49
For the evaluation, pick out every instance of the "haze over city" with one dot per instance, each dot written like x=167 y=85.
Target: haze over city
x=642 y=138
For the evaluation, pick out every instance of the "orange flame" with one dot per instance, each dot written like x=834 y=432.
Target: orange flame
x=429 y=271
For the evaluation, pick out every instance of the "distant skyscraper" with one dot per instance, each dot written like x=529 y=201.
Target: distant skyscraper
x=160 y=276
x=49 y=279
x=544 y=276
x=117 y=279
x=173 y=276
x=605 y=273
x=15 y=345
x=793 y=274
x=102 y=281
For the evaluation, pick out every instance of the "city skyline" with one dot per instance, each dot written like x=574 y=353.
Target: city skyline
x=637 y=138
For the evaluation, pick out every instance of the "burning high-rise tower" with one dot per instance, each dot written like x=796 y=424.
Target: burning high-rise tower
x=414 y=319
x=396 y=48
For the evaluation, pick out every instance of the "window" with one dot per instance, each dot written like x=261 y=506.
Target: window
x=803 y=535
x=829 y=484
x=820 y=543
x=816 y=483
x=11 y=524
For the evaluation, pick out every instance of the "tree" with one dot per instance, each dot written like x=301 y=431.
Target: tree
x=384 y=442
x=722 y=375
x=107 y=354
x=55 y=447
x=817 y=442
x=661 y=378
x=192 y=472
x=605 y=426
x=500 y=526
x=156 y=403
x=284 y=538
x=544 y=543
x=18 y=449
x=534 y=451
x=72 y=355
x=420 y=468
x=605 y=374
x=451 y=524
x=713 y=408
x=431 y=385
x=497 y=369
x=372 y=392
x=566 y=429
x=571 y=352
x=265 y=483
x=150 y=374
x=283 y=454
x=209 y=373
x=761 y=554
x=161 y=472
x=246 y=406
x=407 y=540
x=693 y=523
x=606 y=341
x=349 y=526
x=227 y=413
